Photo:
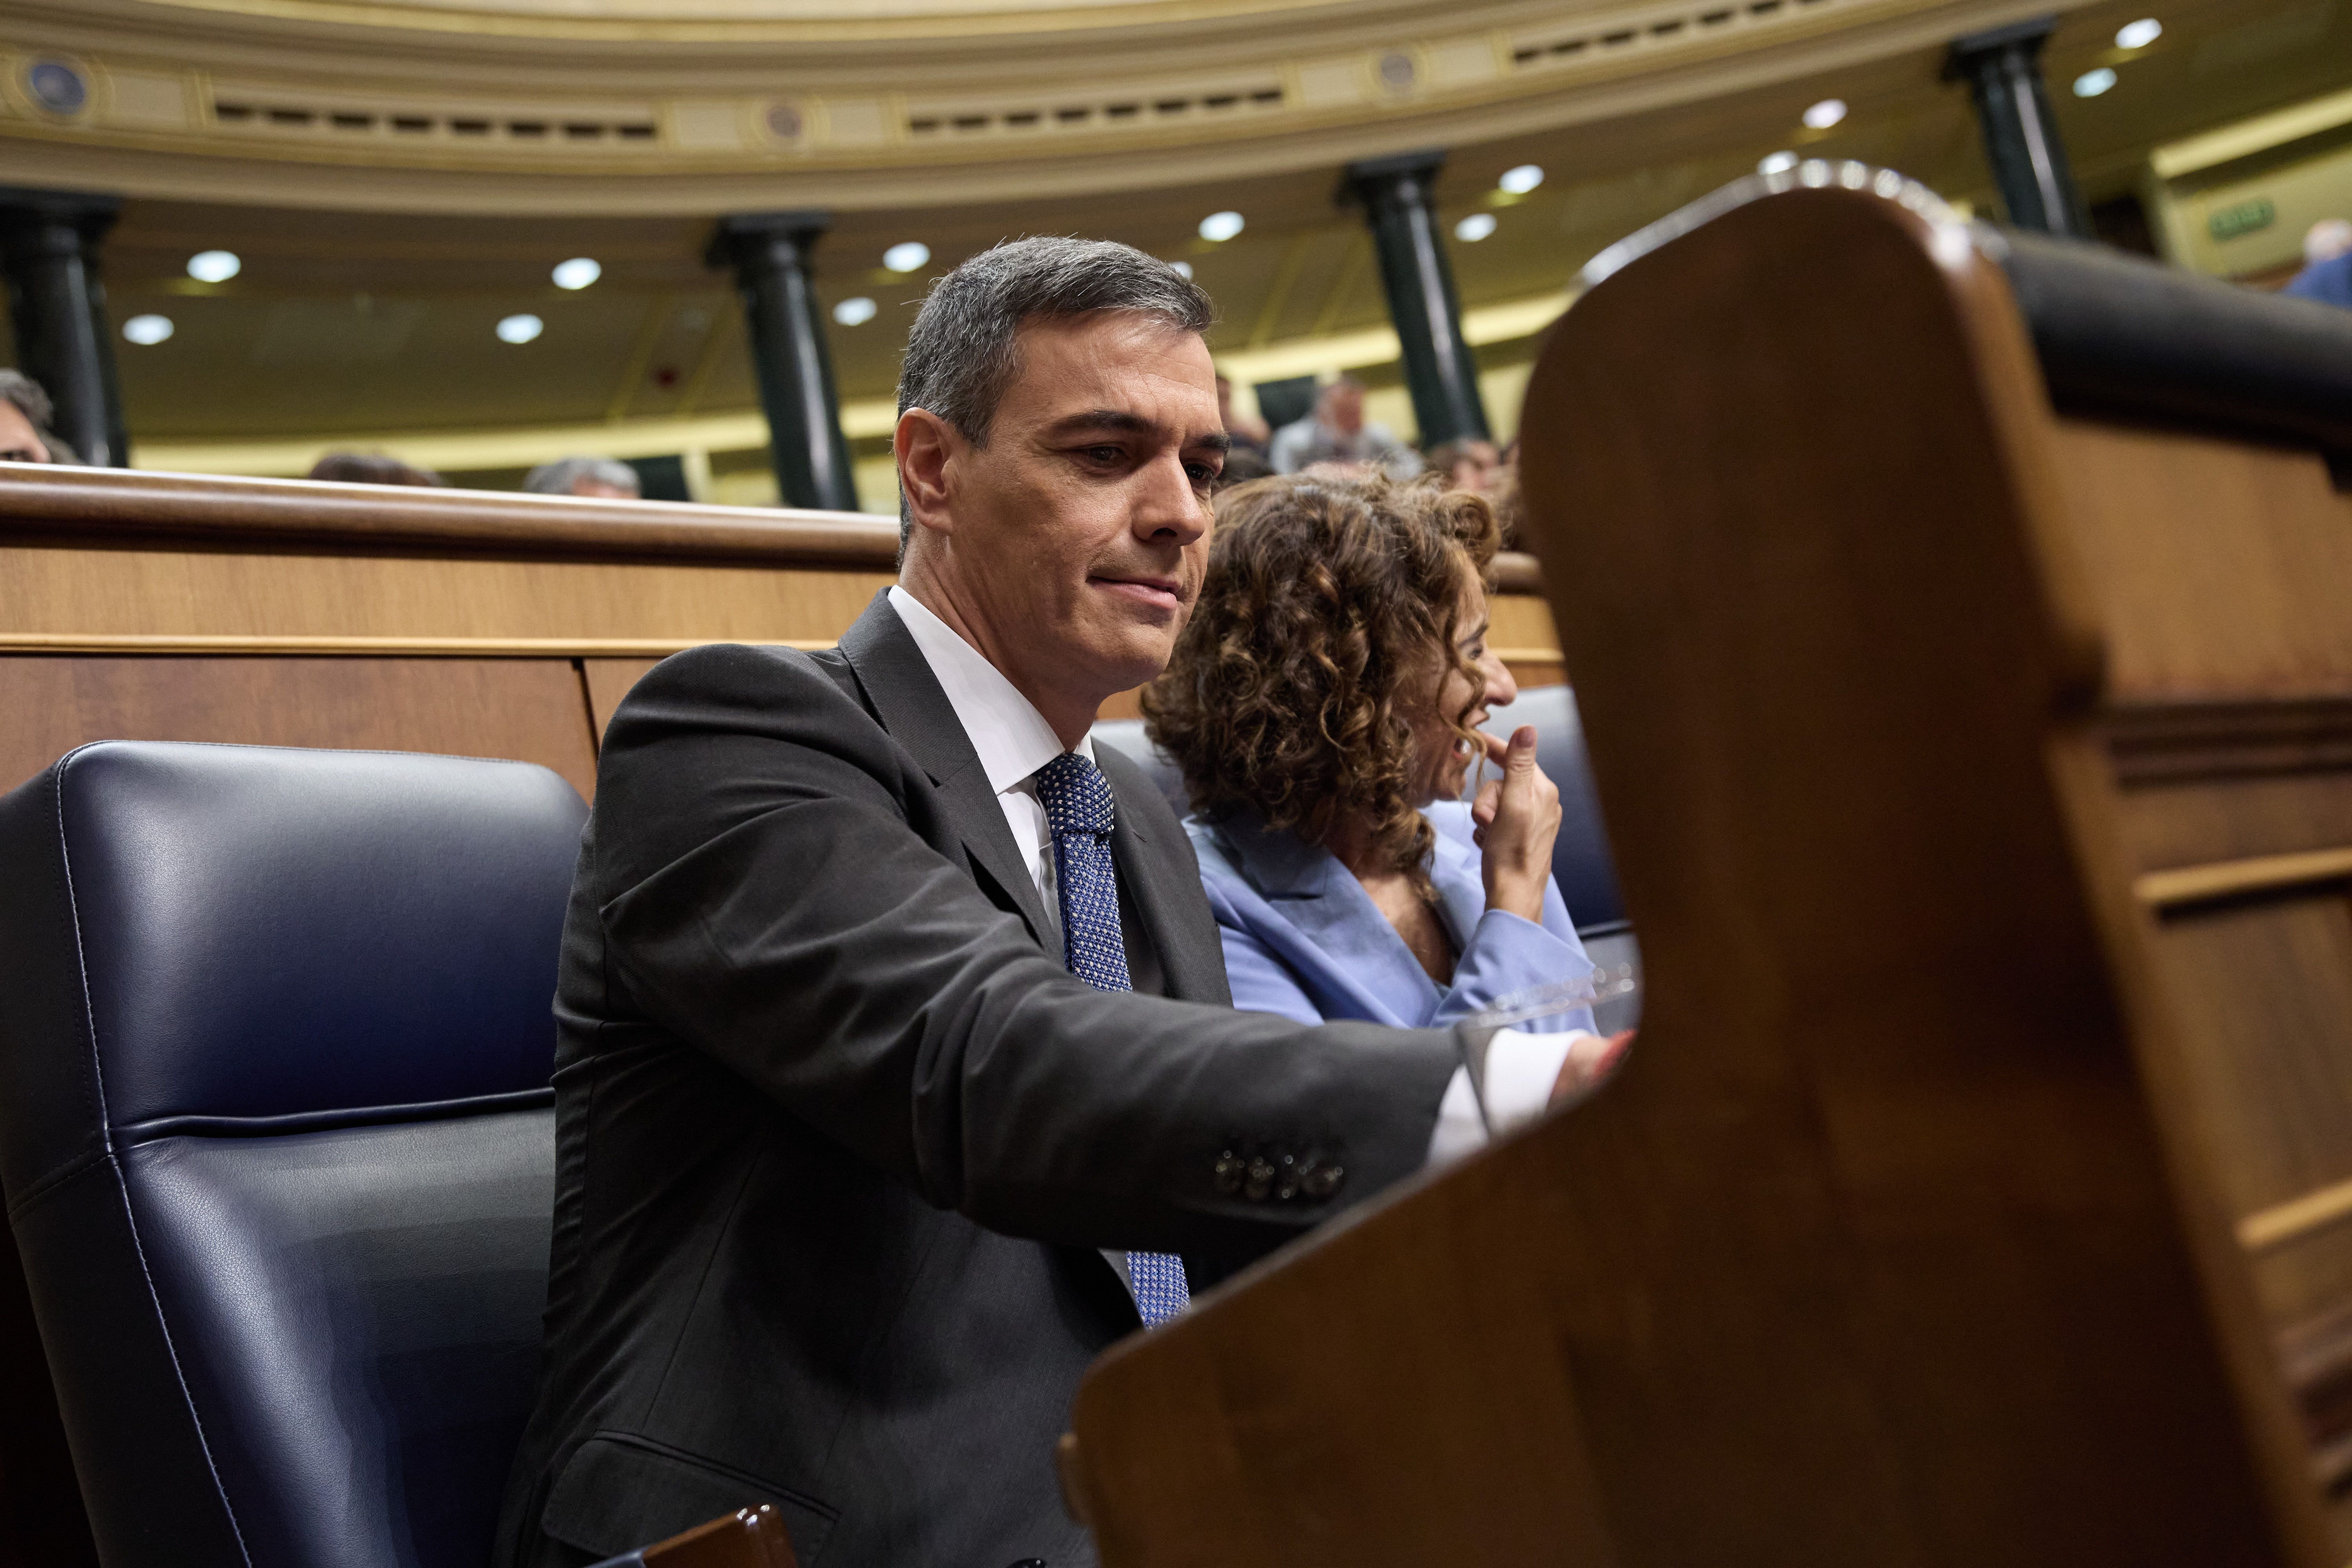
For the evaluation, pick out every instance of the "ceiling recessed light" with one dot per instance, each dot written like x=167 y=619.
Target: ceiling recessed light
x=1521 y=180
x=577 y=273
x=1219 y=226
x=1183 y=268
x=1825 y=113
x=214 y=265
x=1777 y=164
x=520 y=329
x=2092 y=83
x=906 y=256
x=854 y=312
x=2138 y=35
x=1474 y=227
x=147 y=330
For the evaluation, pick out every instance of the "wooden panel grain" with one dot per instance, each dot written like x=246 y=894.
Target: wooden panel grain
x=609 y=680
x=168 y=590
x=2244 y=590
x=527 y=709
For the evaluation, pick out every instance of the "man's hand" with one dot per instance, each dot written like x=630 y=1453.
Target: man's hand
x=1517 y=817
x=1590 y=1062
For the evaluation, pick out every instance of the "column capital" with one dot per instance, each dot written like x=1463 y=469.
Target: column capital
x=2025 y=37
x=50 y=222
x=1399 y=176
x=738 y=235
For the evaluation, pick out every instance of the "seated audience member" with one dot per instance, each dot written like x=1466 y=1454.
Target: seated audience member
x=1468 y=463
x=25 y=416
x=2327 y=274
x=897 y=1074
x=603 y=477
x=1249 y=434
x=1335 y=431
x=371 y=468
x=1323 y=703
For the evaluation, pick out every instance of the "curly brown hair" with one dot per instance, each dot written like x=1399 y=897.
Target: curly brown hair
x=1327 y=617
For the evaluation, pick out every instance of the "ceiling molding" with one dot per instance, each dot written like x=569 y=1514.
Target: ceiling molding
x=186 y=131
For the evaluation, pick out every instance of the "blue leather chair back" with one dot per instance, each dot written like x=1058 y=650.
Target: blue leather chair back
x=277 y=1139
x=1579 y=858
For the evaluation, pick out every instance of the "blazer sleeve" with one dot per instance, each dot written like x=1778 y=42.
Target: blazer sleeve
x=1509 y=961
x=1261 y=981
x=762 y=856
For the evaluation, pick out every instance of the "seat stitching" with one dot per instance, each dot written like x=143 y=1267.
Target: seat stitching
x=121 y=1183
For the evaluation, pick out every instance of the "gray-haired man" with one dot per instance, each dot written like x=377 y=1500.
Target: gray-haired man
x=603 y=478
x=898 y=1073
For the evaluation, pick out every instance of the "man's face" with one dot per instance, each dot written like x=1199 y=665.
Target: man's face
x=1343 y=409
x=601 y=489
x=1075 y=541
x=19 y=442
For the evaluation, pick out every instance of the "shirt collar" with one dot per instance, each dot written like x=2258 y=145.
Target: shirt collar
x=1008 y=734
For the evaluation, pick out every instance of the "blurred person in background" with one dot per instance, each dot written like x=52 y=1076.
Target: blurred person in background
x=1323 y=703
x=1335 y=431
x=2327 y=274
x=25 y=414
x=1250 y=434
x=1468 y=463
x=371 y=468
x=608 y=478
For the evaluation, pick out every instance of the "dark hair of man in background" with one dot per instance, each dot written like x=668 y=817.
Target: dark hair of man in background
x=24 y=394
x=371 y=468
x=962 y=354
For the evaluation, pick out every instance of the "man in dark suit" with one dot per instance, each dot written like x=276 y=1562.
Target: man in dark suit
x=897 y=1066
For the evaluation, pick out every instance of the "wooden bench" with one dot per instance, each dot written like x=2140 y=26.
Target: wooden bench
x=173 y=608
x=1963 y=633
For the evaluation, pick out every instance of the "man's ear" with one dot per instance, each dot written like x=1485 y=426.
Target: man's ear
x=927 y=447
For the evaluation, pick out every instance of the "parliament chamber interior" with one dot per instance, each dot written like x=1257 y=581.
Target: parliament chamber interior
x=1009 y=783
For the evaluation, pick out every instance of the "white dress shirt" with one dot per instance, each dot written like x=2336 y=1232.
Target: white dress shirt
x=1012 y=740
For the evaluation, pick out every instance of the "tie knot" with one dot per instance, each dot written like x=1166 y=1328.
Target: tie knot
x=1075 y=795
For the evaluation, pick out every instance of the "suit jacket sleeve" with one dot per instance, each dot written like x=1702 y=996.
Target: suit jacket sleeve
x=763 y=860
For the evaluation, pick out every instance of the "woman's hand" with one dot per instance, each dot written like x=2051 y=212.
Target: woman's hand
x=1517 y=817
x=1590 y=1061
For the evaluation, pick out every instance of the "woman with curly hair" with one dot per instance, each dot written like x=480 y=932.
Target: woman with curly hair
x=1323 y=703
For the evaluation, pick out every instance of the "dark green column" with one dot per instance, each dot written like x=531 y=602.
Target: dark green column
x=1399 y=198
x=2003 y=70
x=48 y=252
x=769 y=253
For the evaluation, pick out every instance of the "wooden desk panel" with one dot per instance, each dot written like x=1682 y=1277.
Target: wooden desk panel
x=529 y=709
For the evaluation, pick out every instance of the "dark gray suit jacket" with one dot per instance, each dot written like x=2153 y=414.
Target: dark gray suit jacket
x=837 y=1139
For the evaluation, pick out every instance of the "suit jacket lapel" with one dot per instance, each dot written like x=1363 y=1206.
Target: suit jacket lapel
x=1163 y=881
x=908 y=698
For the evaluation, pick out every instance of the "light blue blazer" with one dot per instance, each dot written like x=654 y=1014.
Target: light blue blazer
x=1303 y=939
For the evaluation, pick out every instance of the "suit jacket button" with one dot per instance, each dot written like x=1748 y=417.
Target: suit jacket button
x=1261 y=1179
x=1324 y=1179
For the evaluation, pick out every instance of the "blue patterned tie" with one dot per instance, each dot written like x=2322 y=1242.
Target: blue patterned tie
x=1079 y=809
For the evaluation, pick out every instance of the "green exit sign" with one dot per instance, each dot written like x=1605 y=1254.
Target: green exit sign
x=2242 y=218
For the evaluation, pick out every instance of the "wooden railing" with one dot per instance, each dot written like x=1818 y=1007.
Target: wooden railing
x=172 y=606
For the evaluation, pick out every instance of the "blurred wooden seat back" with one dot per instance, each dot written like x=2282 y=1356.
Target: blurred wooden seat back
x=1979 y=769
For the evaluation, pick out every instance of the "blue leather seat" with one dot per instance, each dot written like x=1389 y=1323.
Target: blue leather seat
x=276 y=1140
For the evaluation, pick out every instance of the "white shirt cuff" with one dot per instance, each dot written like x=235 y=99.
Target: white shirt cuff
x=1520 y=1072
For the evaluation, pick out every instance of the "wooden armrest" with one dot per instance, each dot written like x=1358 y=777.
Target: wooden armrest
x=748 y=1538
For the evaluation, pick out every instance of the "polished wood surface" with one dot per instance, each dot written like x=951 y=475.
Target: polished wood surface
x=533 y=710
x=236 y=583
x=748 y=1538
x=1977 y=781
